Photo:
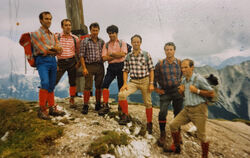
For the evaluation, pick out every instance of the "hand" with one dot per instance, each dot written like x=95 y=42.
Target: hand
x=57 y=68
x=78 y=64
x=159 y=91
x=151 y=88
x=193 y=89
x=181 y=89
x=85 y=72
x=124 y=87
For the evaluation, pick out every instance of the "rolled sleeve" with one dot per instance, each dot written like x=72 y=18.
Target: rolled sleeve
x=104 y=50
x=150 y=63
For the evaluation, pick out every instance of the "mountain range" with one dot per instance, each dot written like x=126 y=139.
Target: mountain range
x=233 y=89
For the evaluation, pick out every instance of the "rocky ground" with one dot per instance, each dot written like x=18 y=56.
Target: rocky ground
x=227 y=139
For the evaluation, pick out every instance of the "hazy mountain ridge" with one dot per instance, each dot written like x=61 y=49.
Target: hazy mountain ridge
x=234 y=90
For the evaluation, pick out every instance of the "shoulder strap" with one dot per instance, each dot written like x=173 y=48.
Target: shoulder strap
x=179 y=62
x=59 y=37
x=145 y=54
x=161 y=62
x=74 y=41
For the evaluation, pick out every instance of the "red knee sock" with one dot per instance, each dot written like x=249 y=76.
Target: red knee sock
x=149 y=114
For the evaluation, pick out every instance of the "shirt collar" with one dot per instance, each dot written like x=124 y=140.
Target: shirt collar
x=43 y=30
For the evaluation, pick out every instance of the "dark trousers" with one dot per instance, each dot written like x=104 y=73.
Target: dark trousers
x=165 y=100
x=95 y=70
x=68 y=65
x=114 y=70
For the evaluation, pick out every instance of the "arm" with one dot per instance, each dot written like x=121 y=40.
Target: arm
x=84 y=69
x=125 y=78
x=117 y=55
x=151 y=80
x=204 y=93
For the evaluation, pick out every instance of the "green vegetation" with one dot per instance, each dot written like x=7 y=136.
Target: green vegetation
x=106 y=144
x=28 y=136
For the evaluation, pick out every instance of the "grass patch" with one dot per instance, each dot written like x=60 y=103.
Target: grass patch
x=106 y=143
x=28 y=136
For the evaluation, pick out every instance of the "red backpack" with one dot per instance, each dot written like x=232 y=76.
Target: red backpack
x=25 y=41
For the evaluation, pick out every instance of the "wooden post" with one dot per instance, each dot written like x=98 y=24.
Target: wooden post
x=74 y=11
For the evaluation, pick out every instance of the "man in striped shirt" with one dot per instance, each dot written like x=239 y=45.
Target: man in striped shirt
x=139 y=65
x=195 y=89
x=46 y=46
x=167 y=79
x=92 y=65
x=67 y=59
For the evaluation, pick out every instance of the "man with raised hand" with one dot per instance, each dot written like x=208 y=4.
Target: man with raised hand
x=195 y=90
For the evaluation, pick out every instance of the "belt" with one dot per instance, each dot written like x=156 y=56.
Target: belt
x=68 y=59
x=138 y=78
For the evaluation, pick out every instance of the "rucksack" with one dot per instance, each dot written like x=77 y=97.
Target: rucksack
x=213 y=82
x=25 y=41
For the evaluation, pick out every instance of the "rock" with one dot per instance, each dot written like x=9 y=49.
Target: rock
x=5 y=136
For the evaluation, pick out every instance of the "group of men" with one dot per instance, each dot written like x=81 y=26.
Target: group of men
x=172 y=79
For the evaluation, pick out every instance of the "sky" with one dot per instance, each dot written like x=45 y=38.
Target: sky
x=202 y=30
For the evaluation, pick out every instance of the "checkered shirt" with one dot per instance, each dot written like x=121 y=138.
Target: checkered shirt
x=138 y=66
x=91 y=51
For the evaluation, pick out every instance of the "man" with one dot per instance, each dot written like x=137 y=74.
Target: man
x=67 y=59
x=92 y=66
x=195 y=90
x=114 y=52
x=46 y=47
x=140 y=67
x=168 y=77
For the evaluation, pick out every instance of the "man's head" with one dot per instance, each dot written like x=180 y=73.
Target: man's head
x=112 y=32
x=136 y=41
x=94 y=29
x=45 y=19
x=66 y=26
x=187 y=67
x=169 y=49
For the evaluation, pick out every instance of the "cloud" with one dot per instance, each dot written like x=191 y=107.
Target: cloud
x=199 y=28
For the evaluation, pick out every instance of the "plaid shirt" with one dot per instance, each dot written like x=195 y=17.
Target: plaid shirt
x=91 y=51
x=138 y=66
x=41 y=40
x=167 y=75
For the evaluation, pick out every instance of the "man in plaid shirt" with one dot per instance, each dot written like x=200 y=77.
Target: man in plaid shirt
x=167 y=79
x=92 y=65
x=139 y=65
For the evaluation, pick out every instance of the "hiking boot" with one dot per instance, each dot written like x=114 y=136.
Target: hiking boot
x=72 y=104
x=104 y=110
x=149 y=127
x=85 y=109
x=162 y=139
x=173 y=149
x=97 y=106
x=123 y=120
x=53 y=111
x=43 y=114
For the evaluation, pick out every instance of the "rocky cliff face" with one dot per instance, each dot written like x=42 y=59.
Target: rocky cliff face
x=234 y=91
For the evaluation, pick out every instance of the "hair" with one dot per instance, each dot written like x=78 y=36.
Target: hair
x=64 y=21
x=43 y=13
x=95 y=24
x=136 y=36
x=190 y=62
x=112 y=29
x=170 y=44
